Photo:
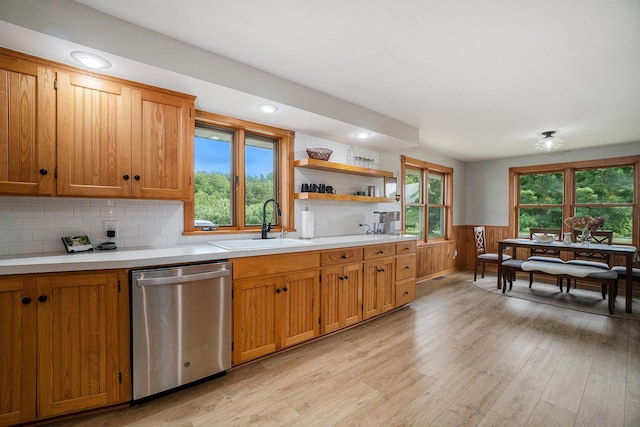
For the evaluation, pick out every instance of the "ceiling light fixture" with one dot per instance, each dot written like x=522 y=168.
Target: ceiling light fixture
x=549 y=142
x=90 y=60
x=362 y=135
x=267 y=108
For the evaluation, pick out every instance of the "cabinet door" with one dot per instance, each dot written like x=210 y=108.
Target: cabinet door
x=17 y=352
x=254 y=317
x=379 y=287
x=341 y=297
x=162 y=155
x=27 y=128
x=330 y=286
x=94 y=137
x=77 y=337
x=300 y=300
x=387 y=284
x=351 y=295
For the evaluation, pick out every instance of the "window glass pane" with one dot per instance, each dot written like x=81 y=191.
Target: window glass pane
x=436 y=189
x=212 y=184
x=538 y=218
x=259 y=155
x=544 y=188
x=412 y=186
x=436 y=222
x=606 y=185
x=414 y=218
x=619 y=220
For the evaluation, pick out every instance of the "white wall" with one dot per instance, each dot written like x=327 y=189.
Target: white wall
x=487 y=182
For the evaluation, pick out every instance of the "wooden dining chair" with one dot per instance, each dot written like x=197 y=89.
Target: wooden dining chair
x=622 y=275
x=592 y=259
x=482 y=257
x=545 y=254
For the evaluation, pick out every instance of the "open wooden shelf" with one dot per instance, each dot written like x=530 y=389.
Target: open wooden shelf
x=342 y=197
x=324 y=165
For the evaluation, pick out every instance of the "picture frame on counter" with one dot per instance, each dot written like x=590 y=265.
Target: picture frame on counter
x=75 y=244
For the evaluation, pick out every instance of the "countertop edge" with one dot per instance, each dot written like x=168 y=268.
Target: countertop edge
x=180 y=254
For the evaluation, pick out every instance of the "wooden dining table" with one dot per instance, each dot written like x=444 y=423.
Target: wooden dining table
x=630 y=253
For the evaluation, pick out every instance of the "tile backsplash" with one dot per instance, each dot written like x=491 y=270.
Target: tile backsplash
x=37 y=224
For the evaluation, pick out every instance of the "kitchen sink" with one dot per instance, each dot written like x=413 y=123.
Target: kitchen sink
x=249 y=244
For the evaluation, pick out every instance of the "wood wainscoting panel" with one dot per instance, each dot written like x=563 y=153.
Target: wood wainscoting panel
x=466 y=244
x=435 y=259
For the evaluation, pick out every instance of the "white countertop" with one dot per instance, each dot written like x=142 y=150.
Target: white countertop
x=179 y=254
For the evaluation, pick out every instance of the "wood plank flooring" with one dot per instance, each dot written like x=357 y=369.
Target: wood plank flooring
x=458 y=356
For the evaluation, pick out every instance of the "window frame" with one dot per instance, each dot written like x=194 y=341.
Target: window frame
x=283 y=175
x=425 y=169
x=569 y=205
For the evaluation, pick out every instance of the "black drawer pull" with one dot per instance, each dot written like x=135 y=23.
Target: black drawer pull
x=42 y=298
x=126 y=177
x=43 y=171
x=343 y=257
x=26 y=300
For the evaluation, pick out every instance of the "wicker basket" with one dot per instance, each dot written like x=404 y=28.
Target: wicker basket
x=319 y=153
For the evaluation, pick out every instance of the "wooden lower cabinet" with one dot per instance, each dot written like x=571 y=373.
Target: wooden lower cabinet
x=340 y=297
x=274 y=312
x=67 y=341
x=379 y=293
x=277 y=304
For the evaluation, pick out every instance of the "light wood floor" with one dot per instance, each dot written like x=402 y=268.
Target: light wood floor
x=458 y=355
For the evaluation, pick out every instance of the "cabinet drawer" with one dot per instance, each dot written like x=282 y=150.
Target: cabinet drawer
x=378 y=251
x=405 y=292
x=405 y=267
x=341 y=256
x=274 y=264
x=408 y=247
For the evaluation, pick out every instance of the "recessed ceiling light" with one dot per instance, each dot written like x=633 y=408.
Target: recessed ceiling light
x=267 y=108
x=362 y=135
x=90 y=60
x=549 y=142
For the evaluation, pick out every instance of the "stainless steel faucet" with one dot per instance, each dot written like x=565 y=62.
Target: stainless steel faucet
x=267 y=227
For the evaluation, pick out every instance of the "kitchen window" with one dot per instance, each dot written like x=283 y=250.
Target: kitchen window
x=239 y=165
x=545 y=195
x=427 y=201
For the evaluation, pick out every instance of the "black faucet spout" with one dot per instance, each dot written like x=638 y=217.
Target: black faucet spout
x=267 y=227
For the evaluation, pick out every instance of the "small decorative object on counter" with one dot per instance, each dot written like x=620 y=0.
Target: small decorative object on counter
x=319 y=153
x=567 y=239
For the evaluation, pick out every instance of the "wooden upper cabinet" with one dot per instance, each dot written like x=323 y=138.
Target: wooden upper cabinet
x=162 y=155
x=94 y=137
x=27 y=128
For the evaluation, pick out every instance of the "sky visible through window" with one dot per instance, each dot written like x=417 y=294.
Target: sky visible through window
x=214 y=156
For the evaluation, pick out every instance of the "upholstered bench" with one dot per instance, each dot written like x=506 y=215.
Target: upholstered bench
x=573 y=271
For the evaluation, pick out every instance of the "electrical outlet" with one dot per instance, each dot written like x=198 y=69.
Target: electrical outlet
x=111 y=226
x=321 y=224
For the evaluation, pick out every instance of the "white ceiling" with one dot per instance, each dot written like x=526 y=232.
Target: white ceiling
x=474 y=79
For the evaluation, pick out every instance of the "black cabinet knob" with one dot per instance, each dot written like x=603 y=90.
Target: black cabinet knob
x=42 y=298
x=26 y=300
x=278 y=290
x=406 y=292
x=344 y=257
x=137 y=177
x=285 y=289
x=126 y=177
x=43 y=171
x=341 y=277
x=381 y=252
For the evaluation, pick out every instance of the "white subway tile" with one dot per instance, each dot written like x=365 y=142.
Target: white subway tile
x=59 y=211
x=46 y=234
x=33 y=223
x=112 y=211
x=18 y=248
x=83 y=211
x=76 y=202
x=135 y=211
x=10 y=223
x=68 y=222
x=24 y=211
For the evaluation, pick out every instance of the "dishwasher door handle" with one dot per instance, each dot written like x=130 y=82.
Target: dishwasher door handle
x=173 y=280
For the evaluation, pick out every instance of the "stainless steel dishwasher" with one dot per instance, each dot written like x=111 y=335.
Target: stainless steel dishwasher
x=181 y=325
